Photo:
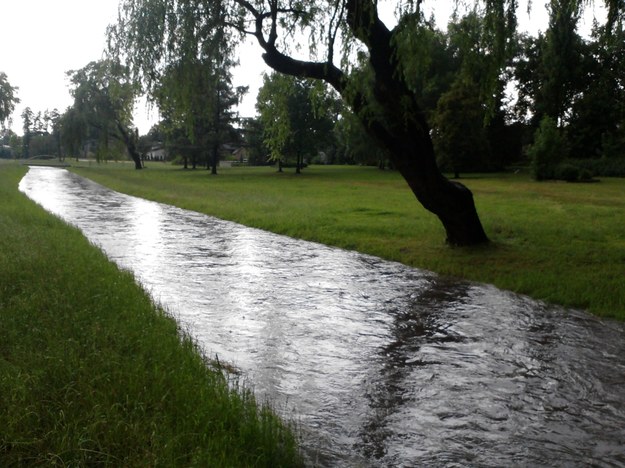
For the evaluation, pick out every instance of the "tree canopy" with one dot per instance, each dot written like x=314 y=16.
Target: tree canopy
x=8 y=98
x=104 y=99
x=346 y=44
x=295 y=125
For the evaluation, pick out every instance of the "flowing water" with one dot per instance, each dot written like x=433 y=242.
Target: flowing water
x=380 y=364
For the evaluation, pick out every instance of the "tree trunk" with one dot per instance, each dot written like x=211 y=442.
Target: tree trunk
x=130 y=140
x=400 y=126
x=298 y=163
x=413 y=156
x=215 y=158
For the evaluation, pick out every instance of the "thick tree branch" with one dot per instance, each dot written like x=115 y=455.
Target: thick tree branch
x=363 y=20
x=325 y=71
x=283 y=63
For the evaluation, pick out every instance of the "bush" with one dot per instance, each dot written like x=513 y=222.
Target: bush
x=603 y=167
x=585 y=175
x=567 y=172
x=547 y=150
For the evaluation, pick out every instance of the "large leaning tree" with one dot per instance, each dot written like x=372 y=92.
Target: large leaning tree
x=329 y=40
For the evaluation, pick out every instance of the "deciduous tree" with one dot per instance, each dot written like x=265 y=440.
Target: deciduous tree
x=8 y=99
x=197 y=97
x=104 y=97
x=459 y=132
x=294 y=126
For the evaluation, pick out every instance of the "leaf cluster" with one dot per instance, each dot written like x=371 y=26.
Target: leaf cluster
x=8 y=98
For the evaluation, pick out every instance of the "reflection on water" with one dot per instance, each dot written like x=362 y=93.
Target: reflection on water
x=381 y=364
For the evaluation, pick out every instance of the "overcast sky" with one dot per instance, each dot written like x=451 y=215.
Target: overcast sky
x=40 y=40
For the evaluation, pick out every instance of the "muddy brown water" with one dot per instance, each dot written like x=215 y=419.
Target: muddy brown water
x=378 y=363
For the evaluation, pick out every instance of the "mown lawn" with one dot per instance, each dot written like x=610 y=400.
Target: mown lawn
x=92 y=373
x=563 y=243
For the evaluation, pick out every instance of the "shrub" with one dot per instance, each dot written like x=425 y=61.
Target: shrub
x=585 y=175
x=547 y=150
x=567 y=172
x=603 y=167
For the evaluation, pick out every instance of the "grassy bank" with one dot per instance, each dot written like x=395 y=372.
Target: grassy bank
x=92 y=373
x=563 y=243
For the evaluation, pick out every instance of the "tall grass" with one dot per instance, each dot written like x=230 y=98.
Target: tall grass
x=563 y=243
x=93 y=373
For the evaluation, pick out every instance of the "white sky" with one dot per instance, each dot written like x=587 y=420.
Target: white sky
x=40 y=40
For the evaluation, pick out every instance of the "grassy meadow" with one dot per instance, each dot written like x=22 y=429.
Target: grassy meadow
x=559 y=242
x=92 y=373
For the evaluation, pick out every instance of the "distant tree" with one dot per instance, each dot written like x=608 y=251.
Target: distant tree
x=27 y=126
x=526 y=72
x=10 y=144
x=104 y=98
x=560 y=66
x=253 y=139
x=13 y=141
x=8 y=99
x=154 y=138
x=54 y=122
x=547 y=151
x=354 y=144
x=597 y=122
x=460 y=136
x=197 y=96
x=73 y=131
x=225 y=99
x=294 y=127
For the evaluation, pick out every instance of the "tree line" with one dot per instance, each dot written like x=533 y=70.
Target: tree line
x=421 y=99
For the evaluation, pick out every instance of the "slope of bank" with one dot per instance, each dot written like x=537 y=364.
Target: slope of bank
x=559 y=242
x=93 y=373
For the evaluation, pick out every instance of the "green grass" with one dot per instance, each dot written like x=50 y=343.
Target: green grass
x=92 y=373
x=563 y=243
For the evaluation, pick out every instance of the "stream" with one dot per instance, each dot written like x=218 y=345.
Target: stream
x=379 y=364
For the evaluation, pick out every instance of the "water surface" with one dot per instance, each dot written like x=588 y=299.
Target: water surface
x=380 y=364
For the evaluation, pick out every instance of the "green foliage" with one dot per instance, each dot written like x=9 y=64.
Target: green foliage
x=103 y=94
x=567 y=172
x=430 y=65
x=297 y=119
x=104 y=98
x=547 y=151
x=560 y=66
x=92 y=373
x=8 y=98
x=597 y=122
x=603 y=167
x=11 y=144
x=74 y=131
x=354 y=144
x=196 y=99
x=257 y=151
x=459 y=135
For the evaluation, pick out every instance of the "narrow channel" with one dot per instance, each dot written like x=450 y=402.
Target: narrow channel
x=378 y=363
